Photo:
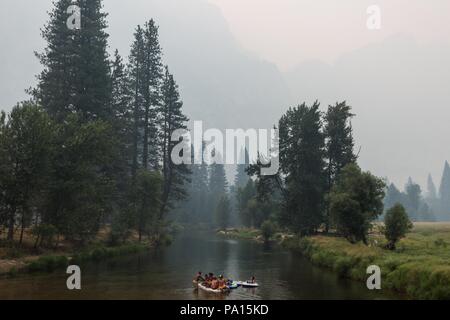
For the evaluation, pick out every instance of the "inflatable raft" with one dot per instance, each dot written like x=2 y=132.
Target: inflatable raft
x=247 y=284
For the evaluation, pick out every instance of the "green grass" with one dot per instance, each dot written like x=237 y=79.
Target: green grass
x=420 y=267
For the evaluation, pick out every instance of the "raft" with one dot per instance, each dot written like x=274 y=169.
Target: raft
x=247 y=284
x=201 y=286
x=233 y=285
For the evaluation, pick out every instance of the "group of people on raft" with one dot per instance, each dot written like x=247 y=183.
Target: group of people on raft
x=209 y=280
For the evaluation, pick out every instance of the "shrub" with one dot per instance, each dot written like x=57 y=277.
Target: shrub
x=48 y=263
x=397 y=224
x=268 y=229
x=45 y=234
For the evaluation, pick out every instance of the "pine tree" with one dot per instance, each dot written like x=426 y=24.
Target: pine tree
x=218 y=184
x=339 y=143
x=413 y=199
x=431 y=189
x=175 y=177
x=302 y=153
x=135 y=72
x=121 y=97
x=222 y=212
x=244 y=196
x=393 y=197
x=76 y=75
x=151 y=82
x=121 y=169
x=241 y=178
x=444 y=192
x=431 y=204
x=121 y=94
x=197 y=192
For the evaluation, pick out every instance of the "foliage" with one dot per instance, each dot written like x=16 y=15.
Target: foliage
x=339 y=145
x=268 y=229
x=223 y=212
x=397 y=225
x=94 y=146
x=302 y=152
x=25 y=149
x=45 y=234
x=355 y=201
x=420 y=270
x=145 y=202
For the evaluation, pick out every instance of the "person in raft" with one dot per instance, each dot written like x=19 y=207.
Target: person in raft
x=222 y=282
x=252 y=280
x=215 y=282
x=199 y=277
x=209 y=278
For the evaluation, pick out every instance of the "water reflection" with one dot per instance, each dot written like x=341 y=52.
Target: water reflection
x=166 y=273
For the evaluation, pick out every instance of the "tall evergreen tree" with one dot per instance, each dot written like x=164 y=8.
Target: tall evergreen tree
x=413 y=199
x=195 y=209
x=302 y=153
x=76 y=74
x=222 y=212
x=431 y=189
x=244 y=196
x=135 y=74
x=175 y=177
x=241 y=178
x=431 y=204
x=152 y=77
x=218 y=184
x=121 y=97
x=393 y=196
x=444 y=193
x=121 y=169
x=339 y=143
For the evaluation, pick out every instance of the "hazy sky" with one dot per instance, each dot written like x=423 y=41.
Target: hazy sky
x=288 y=32
x=242 y=63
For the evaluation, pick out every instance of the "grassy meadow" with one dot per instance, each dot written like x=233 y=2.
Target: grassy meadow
x=419 y=267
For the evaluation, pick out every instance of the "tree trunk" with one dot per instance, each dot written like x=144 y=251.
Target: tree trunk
x=22 y=228
x=330 y=183
x=145 y=150
x=12 y=221
x=37 y=241
x=136 y=125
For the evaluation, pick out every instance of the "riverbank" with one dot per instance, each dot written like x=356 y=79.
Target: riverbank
x=419 y=268
x=241 y=233
x=15 y=259
x=253 y=234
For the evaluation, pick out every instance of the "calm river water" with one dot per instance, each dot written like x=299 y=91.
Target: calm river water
x=167 y=273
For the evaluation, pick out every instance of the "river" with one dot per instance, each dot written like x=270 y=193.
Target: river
x=166 y=273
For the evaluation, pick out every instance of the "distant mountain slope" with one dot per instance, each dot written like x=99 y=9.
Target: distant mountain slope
x=400 y=92
x=220 y=82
